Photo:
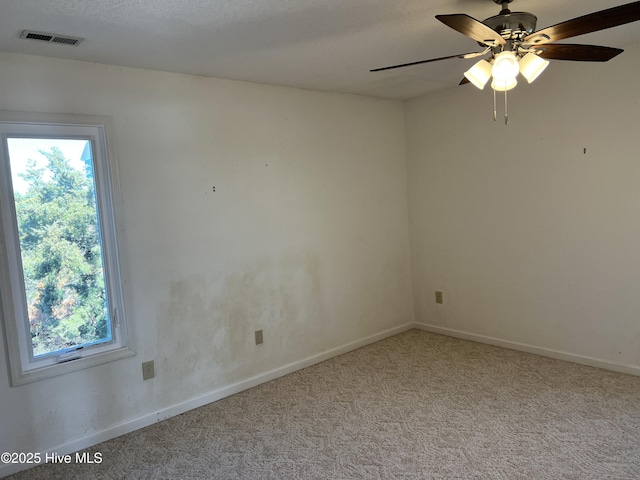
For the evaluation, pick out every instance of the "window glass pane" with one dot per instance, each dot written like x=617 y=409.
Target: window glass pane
x=58 y=228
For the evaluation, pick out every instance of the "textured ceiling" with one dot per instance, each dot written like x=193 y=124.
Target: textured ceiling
x=316 y=44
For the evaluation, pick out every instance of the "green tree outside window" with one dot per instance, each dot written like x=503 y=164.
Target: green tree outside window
x=61 y=254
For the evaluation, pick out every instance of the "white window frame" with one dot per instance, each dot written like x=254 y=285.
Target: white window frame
x=13 y=310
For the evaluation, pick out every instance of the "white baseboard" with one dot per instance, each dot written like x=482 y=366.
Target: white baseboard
x=523 y=347
x=182 y=407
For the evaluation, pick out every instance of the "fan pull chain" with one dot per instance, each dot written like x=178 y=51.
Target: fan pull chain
x=506 y=109
x=495 y=110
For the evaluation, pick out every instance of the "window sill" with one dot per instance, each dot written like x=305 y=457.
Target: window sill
x=33 y=375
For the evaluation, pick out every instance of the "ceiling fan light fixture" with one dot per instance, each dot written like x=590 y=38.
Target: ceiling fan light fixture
x=479 y=74
x=517 y=48
x=505 y=67
x=531 y=66
x=504 y=86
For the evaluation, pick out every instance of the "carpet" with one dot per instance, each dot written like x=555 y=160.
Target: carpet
x=413 y=406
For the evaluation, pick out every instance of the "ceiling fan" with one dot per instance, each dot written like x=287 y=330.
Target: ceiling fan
x=514 y=46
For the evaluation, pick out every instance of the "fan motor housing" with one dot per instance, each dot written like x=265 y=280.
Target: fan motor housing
x=515 y=22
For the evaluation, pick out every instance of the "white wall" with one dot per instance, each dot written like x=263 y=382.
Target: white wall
x=532 y=240
x=305 y=237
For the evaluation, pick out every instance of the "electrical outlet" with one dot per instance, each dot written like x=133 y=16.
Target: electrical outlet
x=259 y=338
x=148 y=370
x=439 y=298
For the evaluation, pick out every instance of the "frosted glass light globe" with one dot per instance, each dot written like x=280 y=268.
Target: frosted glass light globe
x=505 y=67
x=504 y=86
x=531 y=66
x=479 y=74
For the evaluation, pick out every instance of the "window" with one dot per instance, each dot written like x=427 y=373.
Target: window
x=60 y=280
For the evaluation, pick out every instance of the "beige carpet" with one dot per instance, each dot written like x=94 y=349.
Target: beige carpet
x=414 y=406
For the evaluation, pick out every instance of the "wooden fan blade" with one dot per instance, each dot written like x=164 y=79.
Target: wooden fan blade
x=578 y=53
x=611 y=17
x=460 y=55
x=472 y=28
x=464 y=81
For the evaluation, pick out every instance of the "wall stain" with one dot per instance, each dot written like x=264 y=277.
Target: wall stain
x=206 y=329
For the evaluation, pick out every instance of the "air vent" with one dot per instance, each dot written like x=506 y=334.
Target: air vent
x=51 y=38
